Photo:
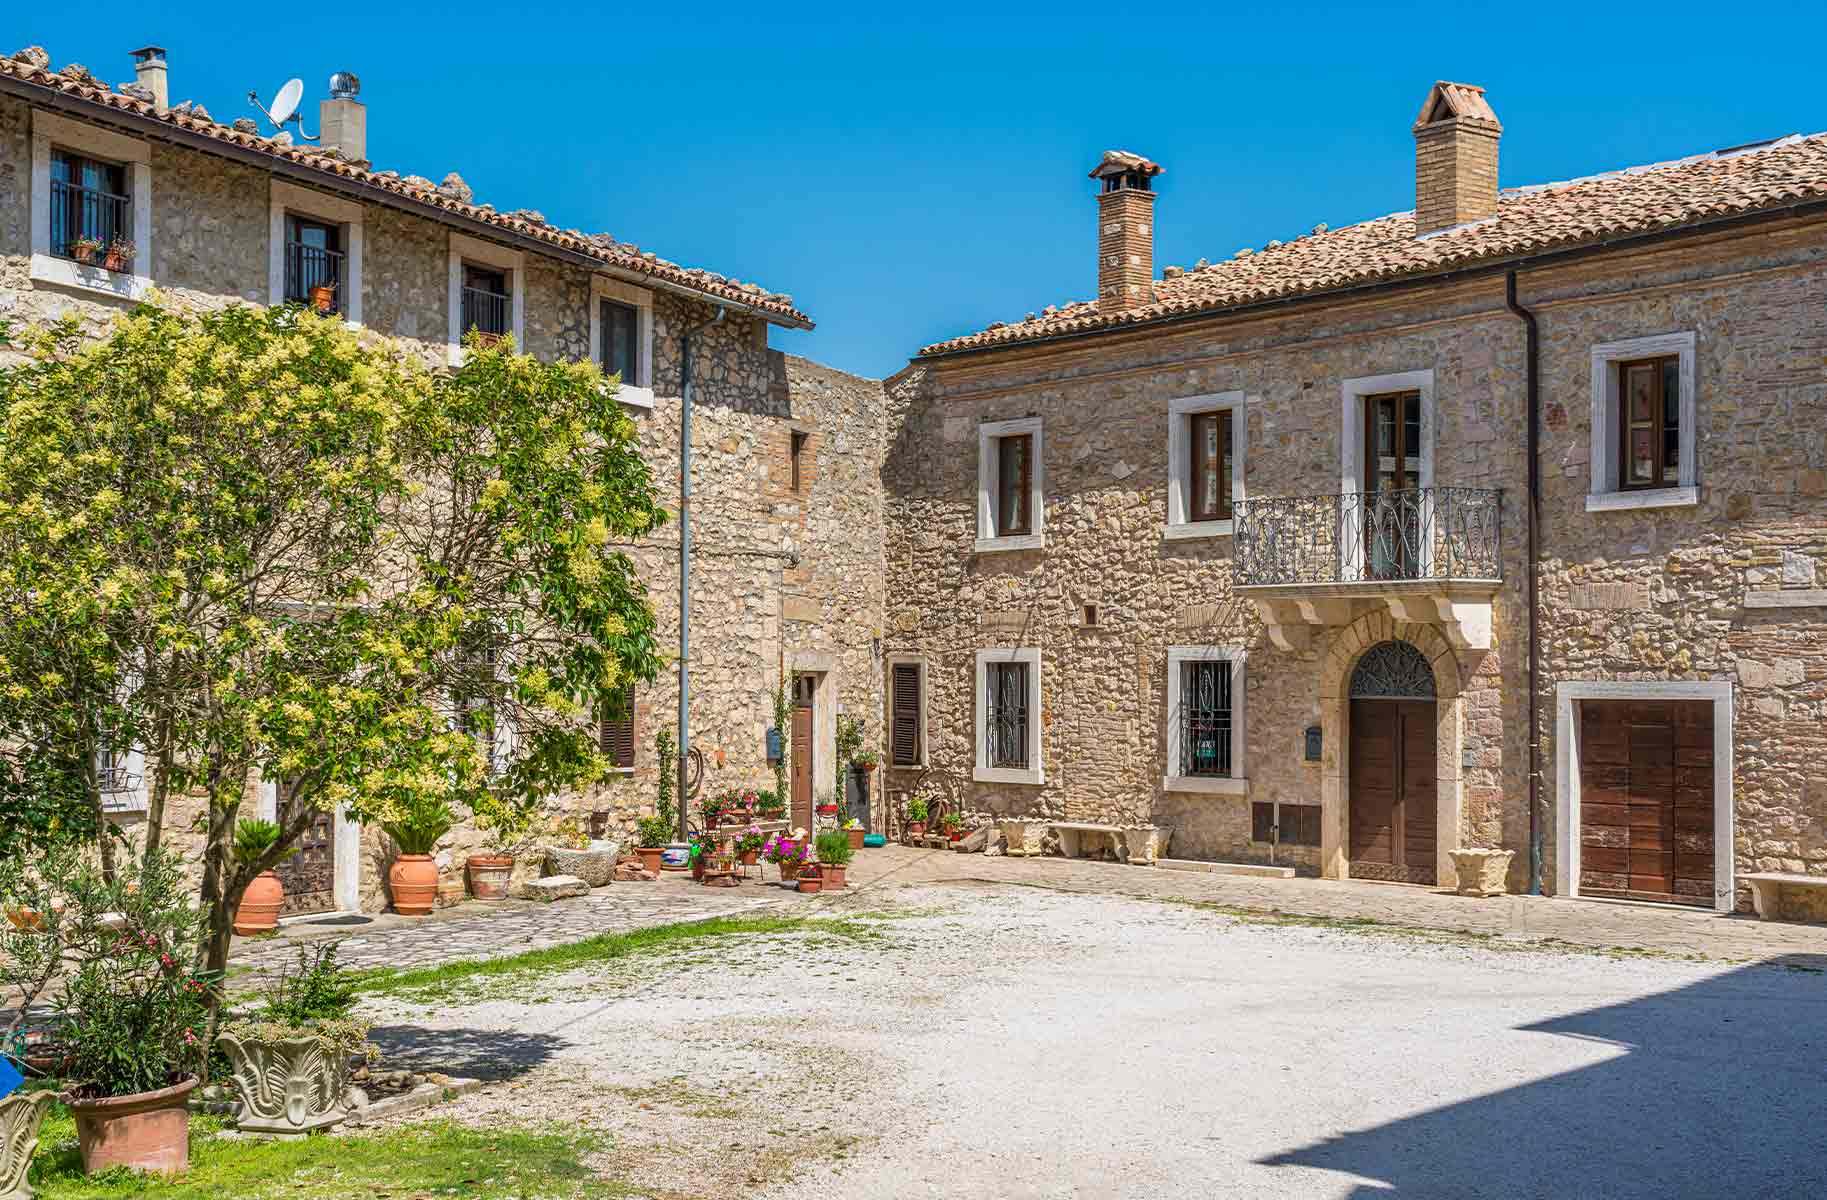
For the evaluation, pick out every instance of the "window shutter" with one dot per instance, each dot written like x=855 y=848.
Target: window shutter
x=617 y=731
x=906 y=721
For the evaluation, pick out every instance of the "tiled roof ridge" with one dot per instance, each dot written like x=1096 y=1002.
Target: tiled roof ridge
x=1530 y=219
x=32 y=65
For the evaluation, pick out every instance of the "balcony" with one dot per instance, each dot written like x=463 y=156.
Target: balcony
x=485 y=312
x=86 y=221
x=314 y=275
x=1432 y=555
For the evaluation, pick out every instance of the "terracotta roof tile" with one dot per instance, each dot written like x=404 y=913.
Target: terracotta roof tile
x=453 y=195
x=1528 y=220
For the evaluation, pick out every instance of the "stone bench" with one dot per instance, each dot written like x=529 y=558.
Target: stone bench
x=1139 y=844
x=1782 y=896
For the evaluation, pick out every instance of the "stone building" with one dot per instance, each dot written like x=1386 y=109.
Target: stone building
x=787 y=499
x=1254 y=549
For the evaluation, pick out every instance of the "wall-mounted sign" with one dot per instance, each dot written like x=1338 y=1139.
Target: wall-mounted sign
x=1313 y=743
x=773 y=745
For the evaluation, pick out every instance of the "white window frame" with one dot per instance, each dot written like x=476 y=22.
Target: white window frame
x=1238 y=782
x=641 y=300
x=290 y=199
x=1606 y=494
x=1180 y=414
x=890 y=662
x=1035 y=771
x=1568 y=694
x=1351 y=456
x=989 y=465
x=485 y=254
x=50 y=130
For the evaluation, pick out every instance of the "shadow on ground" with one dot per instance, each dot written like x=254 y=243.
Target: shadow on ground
x=1720 y=1089
x=488 y=1054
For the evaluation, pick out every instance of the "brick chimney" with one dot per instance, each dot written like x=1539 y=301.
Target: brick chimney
x=343 y=119
x=150 y=72
x=1125 y=231
x=1456 y=139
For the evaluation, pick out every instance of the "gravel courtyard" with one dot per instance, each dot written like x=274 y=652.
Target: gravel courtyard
x=983 y=1040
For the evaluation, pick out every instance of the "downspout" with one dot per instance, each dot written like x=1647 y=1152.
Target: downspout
x=685 y=562
x=1532 y=390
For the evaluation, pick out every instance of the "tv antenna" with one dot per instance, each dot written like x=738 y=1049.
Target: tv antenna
x=285 y=108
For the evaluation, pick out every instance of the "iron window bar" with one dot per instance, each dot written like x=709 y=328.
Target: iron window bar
x=79 y=212
x=308 y=267
x=1351 y=537
x=1205 y=719
x=1006 y=716
x=485 y=311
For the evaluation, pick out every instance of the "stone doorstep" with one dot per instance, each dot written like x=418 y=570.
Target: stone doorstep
x=1256 y=870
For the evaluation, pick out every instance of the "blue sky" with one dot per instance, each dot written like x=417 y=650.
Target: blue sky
x=920 y=174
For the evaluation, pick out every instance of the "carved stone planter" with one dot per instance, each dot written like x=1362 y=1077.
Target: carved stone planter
x=20 y=1116
x=1022 y=837
x=1146 y=844
x=1482 y=872
x=287 y=1087
x=595 y=866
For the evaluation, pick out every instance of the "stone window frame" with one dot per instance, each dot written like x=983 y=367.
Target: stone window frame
x=1606 y=494
x=1180 y=413
x=50 y=130
x=641 y=300
x=289 y=199
x=1238 y=782
x=889 y=663
x=981 y=772
x=486 y=254
x=1568 y=694
x=988 y=468
x=1351 y=452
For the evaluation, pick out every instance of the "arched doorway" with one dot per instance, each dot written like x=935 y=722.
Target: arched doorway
x=1394 y=806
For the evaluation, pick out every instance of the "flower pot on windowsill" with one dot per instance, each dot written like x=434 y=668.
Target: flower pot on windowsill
x=489 y=875
x=258 y=911
x=323 y=298
x=148 y=1131
x=115 y=262
x=21 y=1114
x=413 y=880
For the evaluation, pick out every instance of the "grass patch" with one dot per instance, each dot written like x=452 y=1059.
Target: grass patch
x=435 y=1159
x=466 y=978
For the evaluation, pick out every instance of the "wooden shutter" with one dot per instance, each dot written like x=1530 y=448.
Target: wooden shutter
x=905 y=722
x=617 y=731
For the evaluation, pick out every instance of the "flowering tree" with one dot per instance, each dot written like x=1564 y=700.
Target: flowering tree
x=250 y=543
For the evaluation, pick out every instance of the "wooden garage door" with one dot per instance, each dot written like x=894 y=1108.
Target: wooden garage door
x=1646 y=800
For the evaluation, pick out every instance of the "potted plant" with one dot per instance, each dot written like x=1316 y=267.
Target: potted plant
x=713 y=807
x=748 y=846
x=808 y=879
x=416 y=827
x=951 y=826
x=769 y=806
x=865 y=760
x=85 y=249
x=827 y=804
x=31 y=955
x=834 y=855
x=323 y=297
x=120 y=254
x=853 y=830
x=258 y=911
x=653 y=833
x=290 y=1060
x=136 y=1017
x=507 y=825
x=788 y=854
x=916 y=817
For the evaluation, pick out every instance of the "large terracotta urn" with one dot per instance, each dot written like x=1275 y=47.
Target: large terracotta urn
x=149 y=1131
x=260 y=905
x=413 y=880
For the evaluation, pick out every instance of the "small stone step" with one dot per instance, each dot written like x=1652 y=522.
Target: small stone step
x=556 y=887
x=1258 y=870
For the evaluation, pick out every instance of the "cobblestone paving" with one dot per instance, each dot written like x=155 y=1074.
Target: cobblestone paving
x=492 y=930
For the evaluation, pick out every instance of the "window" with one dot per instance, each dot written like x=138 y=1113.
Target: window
x=796 y=452
x=1300 y=824
x=1644 y=412
x=906 y=726
x=485 y=300
x=1649 y=423
x=1205 y=719
x=1205 y=440
x=120 y=777
x=91 y=209
x=1008 y=716
x=314 y=260
x=621 y=331
x=1009 y=476
x=487 y=293
x=475 y=712
x=616 y=734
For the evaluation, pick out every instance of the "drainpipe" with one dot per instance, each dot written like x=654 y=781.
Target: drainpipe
x=1532 y=389
x=685 y=561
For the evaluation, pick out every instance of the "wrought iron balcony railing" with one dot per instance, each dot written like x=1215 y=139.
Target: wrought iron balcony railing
x=485 y=311
x=79 y=213
x=1437 y=533
x=309 y=267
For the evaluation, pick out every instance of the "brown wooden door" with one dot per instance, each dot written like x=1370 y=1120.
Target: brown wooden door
x=1646 y=800
x=309 y=875
x=1393 y=790
x=801 y=754
x=1392 y=472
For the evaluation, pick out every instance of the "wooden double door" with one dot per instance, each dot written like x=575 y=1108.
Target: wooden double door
x=1393 y=799
x=1646 y=800
x=309 y=876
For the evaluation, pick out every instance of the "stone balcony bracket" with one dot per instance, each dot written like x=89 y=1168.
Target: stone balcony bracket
x=1461 y=609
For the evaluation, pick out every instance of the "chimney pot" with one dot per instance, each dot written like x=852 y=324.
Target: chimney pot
x=150 y=70
x=1126 y=241
x=1456 y=138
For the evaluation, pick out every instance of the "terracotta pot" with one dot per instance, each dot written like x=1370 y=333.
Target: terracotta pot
x=147 y=1132
x=826 y=810
x=916 y=829
x=489 y=875
x=323 y=298
x=810 y=883
x=115 y=262
x=413 y=880
x=789 y=871
x=650 y=857
x=856 y=838
x=832 y=876
x=260 y=905
x=866 y=767
x=749 y=858
x=26 y=920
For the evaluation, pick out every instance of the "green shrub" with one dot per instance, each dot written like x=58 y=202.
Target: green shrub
x=317 y=989
x=654 y=831
x=834 y=848
x=253 y=838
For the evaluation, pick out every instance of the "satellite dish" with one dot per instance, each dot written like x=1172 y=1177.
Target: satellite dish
x=285 y=104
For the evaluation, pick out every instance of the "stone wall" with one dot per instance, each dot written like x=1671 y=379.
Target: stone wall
x=1753 y=302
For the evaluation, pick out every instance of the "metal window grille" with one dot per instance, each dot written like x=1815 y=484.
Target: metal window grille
x=87 y=212
x=308 y=267
x=485 y=310
x=1205 y=719
x=1006 y=715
